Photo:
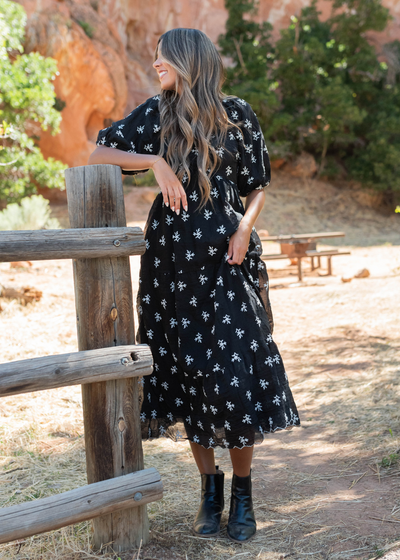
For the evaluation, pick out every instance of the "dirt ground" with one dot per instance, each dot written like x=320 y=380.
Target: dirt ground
x=327 y=490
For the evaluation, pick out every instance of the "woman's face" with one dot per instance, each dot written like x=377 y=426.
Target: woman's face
x=166 y=74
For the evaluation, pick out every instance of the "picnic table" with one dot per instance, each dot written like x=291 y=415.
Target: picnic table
x=298 y=246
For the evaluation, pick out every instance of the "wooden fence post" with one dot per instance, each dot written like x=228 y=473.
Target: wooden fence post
x=104 y=307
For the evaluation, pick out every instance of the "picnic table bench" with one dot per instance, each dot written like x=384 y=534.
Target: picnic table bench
x=304 y=245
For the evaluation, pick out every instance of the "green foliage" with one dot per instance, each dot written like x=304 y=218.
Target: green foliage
x=87 y=28
x=32 y=213
x=321 y=87
x=59 y=104
x=389 y=461
x=248 y=45
x=27 y=101
x=141 y=179
x=317 y=102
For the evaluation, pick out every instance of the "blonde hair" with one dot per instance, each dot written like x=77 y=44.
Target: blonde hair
x=195 y=118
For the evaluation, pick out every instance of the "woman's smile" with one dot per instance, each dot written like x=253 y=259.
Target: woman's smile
x=166 y=73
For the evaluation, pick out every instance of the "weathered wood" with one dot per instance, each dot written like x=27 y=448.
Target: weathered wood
x=70 y=244
x=62 y=370
x=38 y=516
x=274 y=257
x=290 y=237
x=326 y=253
x=110 y=409
x=299 y=270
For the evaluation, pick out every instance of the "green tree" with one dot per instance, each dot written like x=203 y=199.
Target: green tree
x=322 y=87
x=316 y=98
x=26 y=106
x=248 y=45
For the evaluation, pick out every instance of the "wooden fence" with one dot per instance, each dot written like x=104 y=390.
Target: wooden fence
x=106 y=366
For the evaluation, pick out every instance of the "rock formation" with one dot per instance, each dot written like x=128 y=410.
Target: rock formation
x=104 y=50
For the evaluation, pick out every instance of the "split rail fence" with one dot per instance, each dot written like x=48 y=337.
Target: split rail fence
x=106 y=366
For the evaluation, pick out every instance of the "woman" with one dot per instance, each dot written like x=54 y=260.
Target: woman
x=203 y=302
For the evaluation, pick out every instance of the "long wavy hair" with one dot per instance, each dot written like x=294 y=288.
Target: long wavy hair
x=195 y=118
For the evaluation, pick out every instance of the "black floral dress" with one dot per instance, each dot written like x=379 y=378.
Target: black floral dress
x=218 y=376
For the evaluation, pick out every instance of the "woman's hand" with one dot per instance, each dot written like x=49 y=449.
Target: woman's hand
x=238 y=244
x=174 y=194
x=239 y=241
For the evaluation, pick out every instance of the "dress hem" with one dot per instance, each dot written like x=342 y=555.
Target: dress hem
x=288 y=427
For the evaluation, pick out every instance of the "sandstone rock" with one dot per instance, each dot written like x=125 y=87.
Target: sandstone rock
x=91 y=79
x=97 y=26
x=20 y=264
x=363 y=273
x=346 y=279
x=303 y=165
x=277 y=163
x=84 y=83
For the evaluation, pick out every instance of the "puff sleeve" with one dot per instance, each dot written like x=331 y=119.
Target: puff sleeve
x=137 y=133
x=254 y=169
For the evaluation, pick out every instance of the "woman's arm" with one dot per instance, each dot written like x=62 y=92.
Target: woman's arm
x=125 y=160
x=172 y=190
x=239 y=241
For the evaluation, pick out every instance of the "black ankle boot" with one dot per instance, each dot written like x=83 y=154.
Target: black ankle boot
x=241 y=523
x=208 y=518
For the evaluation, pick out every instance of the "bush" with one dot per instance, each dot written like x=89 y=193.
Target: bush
x=321 y=87
x=32 y=213
x=27 y=100
x=87 y=28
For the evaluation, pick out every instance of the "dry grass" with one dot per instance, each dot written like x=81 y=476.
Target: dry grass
x=329 y=490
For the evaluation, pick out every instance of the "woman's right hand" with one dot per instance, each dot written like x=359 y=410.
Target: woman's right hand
x=174 y=194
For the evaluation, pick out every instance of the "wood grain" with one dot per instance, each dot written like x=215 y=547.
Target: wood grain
x=95 y=199
x=76 y=368
x=106 y=497
x=70 y=243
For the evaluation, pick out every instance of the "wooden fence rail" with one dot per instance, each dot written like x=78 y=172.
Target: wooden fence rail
x=62 y=370
x=79 y=243
x=88 y=502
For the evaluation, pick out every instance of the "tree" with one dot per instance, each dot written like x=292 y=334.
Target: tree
x=27 y=101
x=322 y=87
x=248 y=45
x=313 y=87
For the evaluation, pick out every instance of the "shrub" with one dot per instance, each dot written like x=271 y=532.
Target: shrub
x=27 y=101
x=31 y=213
x=87 y=28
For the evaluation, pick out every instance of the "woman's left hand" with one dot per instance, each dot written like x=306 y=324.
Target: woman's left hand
x=238 y=244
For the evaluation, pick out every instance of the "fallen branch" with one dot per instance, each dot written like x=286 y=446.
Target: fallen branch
x=358 y=479
x=384 y=520
x=25 y=295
